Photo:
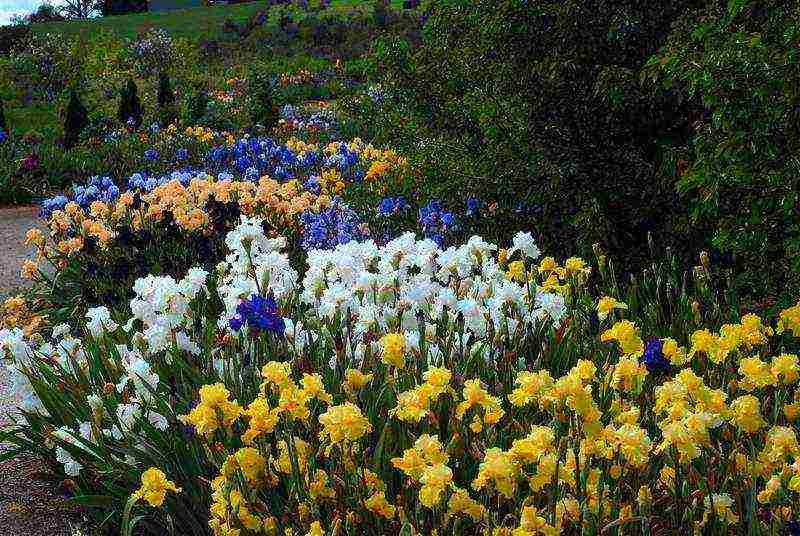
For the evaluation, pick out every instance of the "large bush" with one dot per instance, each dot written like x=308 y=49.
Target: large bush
x=537 y=103
x=739 y=66
x=540 y=107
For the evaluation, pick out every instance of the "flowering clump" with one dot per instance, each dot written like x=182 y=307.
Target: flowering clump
x=155 y=487
x=259 y=314
x=214 y=411
x=329 y=227
x=406 y=384
x=436 y=222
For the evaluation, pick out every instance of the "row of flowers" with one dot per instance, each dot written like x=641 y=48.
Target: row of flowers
x=408 y=388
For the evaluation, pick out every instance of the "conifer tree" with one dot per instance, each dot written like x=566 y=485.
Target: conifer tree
x=166 y=100
x=75 y=120
x=263 y=109
x=130 y=108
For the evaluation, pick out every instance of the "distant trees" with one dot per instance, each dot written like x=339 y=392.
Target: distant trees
x=80 y=9
x=44 y=13
x=122 y=7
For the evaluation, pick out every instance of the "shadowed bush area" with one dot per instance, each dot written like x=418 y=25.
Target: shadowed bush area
x=606 y=121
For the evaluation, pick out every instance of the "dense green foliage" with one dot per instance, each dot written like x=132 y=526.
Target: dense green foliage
x=552 y=104
x=740 y=64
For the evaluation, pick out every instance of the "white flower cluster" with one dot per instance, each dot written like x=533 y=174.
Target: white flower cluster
x=408 y=285
x=254 y=265
x=162 y=306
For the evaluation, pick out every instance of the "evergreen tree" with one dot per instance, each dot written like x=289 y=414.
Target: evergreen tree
x=381 y=12
x=263 y=110
x=130 y=108
x=3 y=125
x=166 y=100
x=75 y=120
x=196 y=104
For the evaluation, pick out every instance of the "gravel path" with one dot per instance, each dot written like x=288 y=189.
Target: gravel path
x=31 y=503
x=14 y=223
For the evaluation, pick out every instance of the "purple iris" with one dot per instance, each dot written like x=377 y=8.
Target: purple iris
x=259 y=314
x=392 y=205
x=654 y=358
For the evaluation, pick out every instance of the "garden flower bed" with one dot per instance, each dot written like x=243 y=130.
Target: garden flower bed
x=404 y=387
x=420 y=288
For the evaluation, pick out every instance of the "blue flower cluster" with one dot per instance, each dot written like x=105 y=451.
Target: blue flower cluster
x=474 y=206
x=338 y=224
x=390 y=206
x=259 y=314
x=436 y=222
x=3 y=135
x=97 y=189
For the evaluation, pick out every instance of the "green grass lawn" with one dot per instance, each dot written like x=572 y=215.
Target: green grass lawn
x=190 y=23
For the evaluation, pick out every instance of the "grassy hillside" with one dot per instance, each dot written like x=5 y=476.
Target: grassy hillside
x=194 y=22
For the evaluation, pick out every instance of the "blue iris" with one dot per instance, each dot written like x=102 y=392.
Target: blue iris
x=473 y=206
x=259 y=314
x=436 y=222
x=338 y=224
x=54 y=203
x=654 y=358
x=392 y=205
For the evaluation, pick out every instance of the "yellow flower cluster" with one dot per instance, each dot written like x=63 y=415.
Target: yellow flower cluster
x=426 y=463
x=214 y=411
x=571 y=447
x=155 y=487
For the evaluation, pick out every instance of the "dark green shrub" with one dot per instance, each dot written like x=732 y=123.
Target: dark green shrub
x=537 y=106
x=12 y=36
x=75 y=120
x=166 y=100
x=737 y=65
x=130 y=108
x=381 y=13
x=3 y=124
x=263 y=109
x=122 y=7
x=196 y=104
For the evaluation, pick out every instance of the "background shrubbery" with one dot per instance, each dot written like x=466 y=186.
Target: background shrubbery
x=608 y=121
x=589 y=121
